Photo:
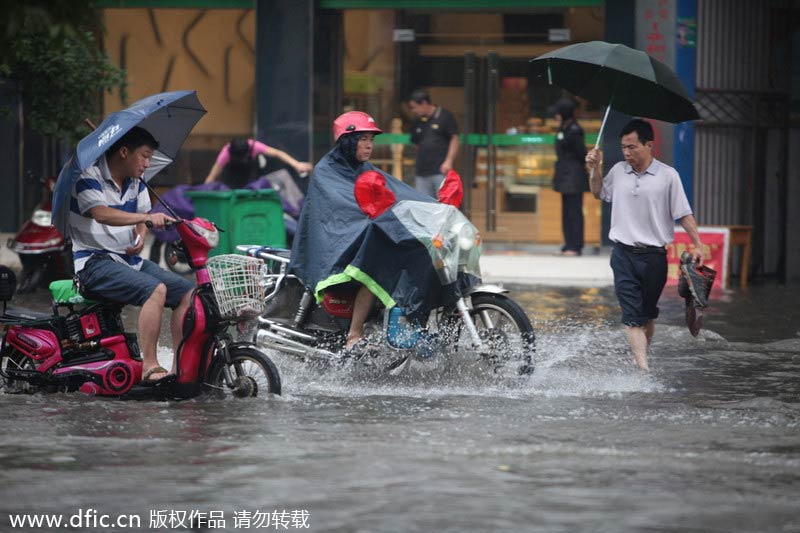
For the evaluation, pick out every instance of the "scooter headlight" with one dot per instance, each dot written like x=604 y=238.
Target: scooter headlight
x=211 y=235
x=41 y=217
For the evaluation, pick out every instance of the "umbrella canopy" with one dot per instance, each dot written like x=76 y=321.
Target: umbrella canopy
x=169 y=117
x=628 y=80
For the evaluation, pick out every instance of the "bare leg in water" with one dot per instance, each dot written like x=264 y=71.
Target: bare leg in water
x=176 y=327
x=149 y=326
x=361 y=307
x=639 y=339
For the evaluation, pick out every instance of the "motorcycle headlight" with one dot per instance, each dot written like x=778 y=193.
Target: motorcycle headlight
x=467 y=236
x=41 y=217
x=211 y=235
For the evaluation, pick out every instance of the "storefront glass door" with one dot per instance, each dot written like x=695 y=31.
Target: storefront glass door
x=507 y=151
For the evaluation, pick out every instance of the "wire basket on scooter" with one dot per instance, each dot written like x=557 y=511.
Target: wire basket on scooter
x=238 y=283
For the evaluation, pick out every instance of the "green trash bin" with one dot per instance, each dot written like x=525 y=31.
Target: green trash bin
x=247 y=216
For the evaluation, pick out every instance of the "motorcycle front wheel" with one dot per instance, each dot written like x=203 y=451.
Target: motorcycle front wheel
x=251 y=374
x=504 y=329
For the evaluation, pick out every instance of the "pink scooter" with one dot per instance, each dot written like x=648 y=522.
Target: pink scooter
x=82 y=346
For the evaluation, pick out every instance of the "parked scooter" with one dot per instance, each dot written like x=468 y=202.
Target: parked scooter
x=44 y=253
x=485 y=322
x=83 y=347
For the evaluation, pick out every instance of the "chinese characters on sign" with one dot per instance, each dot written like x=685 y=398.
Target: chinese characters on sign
x=716 y=243
x=657 y=19
x=656 y=25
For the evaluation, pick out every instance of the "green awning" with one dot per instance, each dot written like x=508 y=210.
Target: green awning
x=455 y=4
x=491 y=5
x=183 y=4
x=481 y=139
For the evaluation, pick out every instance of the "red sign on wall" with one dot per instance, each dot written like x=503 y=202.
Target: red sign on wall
x=716 y=243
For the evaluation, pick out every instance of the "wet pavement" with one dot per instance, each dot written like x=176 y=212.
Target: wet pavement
x=710 y=441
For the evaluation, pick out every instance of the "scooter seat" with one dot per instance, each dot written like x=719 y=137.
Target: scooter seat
x=64 y=292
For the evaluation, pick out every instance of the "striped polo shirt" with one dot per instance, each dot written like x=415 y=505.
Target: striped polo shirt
x=96 y=187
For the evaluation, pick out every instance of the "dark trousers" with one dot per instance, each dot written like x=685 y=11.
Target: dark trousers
x=639 y=277
x=572 y=221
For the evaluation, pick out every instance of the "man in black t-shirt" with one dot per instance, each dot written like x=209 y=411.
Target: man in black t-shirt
x=435 y=133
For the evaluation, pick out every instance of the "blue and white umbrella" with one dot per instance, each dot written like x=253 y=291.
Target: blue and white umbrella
x=169 y=117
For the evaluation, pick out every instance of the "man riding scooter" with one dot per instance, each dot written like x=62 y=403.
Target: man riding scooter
x=107 y=223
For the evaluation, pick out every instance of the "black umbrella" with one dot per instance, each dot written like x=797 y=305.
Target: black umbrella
x=628 y=80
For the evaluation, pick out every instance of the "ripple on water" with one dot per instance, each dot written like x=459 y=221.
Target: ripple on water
x=586 y=440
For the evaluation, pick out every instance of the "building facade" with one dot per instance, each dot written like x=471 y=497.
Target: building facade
x=282 y=70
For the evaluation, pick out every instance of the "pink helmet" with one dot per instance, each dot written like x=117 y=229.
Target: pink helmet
x=353 y=121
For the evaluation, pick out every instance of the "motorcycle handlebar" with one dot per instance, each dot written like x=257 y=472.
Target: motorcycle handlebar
x=265 y=253
x=149 y=223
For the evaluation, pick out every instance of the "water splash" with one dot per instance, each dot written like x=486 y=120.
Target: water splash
x=572 y=359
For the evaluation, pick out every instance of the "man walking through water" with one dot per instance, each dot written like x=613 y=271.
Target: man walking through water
x=647 y=197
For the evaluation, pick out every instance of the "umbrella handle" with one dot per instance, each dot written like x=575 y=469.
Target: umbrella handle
x=602 y=127
x=600 y=136
x=172 y=212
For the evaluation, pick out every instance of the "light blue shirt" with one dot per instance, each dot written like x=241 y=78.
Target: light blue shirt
x=645 y=205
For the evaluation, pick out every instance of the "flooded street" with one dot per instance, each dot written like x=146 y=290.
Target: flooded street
x=710 y=441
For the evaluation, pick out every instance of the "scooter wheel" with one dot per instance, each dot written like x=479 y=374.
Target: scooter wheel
x=244 y=387
x=252 y=374
x=12 y=359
